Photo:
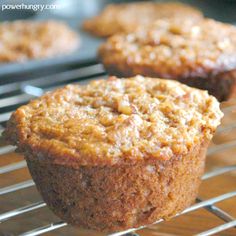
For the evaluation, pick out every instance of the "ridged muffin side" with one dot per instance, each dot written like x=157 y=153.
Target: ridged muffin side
x=118 y=197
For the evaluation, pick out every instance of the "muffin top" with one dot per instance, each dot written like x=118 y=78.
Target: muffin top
x=127 y=17
x=114 y=121
x=24 y=40
x=173 y=49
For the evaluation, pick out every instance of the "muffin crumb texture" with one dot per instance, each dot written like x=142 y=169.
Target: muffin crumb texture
x=114 y=122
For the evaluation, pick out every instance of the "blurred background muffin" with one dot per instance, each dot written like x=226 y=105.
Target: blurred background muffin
x=201 y=54
x=127 y=17
x=24 y=40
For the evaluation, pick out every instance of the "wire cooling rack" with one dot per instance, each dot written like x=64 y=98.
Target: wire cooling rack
x=14 y=178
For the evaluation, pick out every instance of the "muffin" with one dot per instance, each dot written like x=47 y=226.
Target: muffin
x=201 y=55
x=25 y=40
x=116 y=153
x=127 y=17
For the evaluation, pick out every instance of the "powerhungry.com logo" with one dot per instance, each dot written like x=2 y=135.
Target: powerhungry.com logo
x=33 y=7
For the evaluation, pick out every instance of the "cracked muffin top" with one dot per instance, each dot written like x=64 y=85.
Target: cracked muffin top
x=114 y=121
x=24 y=40
x=127 y=17
x=173 y=49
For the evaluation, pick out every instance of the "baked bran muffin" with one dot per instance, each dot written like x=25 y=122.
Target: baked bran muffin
x=24 y=40
x=201 y=55
x=127 y=17
x=116 y=153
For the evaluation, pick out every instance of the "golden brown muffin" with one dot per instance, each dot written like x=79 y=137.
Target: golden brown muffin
x=201 y=55
x=25 y=40
x=116 y=153
x=127 y=17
